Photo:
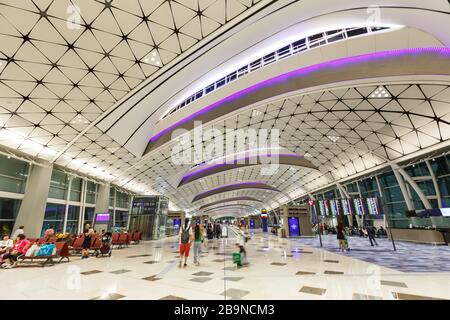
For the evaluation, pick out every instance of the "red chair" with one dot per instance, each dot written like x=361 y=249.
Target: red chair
x=136 y=237
x=77 y=244
x=62 y=251
x=122 y=241
x=41 y=241
x=96 y=244
x=115 y=239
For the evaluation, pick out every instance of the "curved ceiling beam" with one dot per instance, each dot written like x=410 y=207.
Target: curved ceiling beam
x=229 y=206
x=403 y=62
x=267 y=159
x=234 y=187
x=229 y=200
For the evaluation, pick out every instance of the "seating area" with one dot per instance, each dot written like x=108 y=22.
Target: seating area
x=63 y=249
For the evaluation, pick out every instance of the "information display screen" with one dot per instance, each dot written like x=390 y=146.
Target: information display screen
x=360 y=210
x=294 y=229
x=347 y=207
x=177 y=223
x=373 y=206
x=102 y=217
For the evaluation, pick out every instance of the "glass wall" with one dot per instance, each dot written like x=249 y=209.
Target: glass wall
x=112 y=192
x=122 y=200
x=13 y=175
x=59 y=184
x=59 y=190
x=89 y=215
x=91 y=192
x=384 y=185
x=54 y=217
x=75 y=189
x=73 y=216
x=121 y=218
x=9 y=208
x=13 y=179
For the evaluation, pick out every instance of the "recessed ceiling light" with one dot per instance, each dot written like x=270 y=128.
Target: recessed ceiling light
x=379 y=93
x=333 y=138
x=256 y=113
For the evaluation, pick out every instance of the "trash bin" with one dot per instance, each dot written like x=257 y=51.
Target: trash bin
x=283 y=233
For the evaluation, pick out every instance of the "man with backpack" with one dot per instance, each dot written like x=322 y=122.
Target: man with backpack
x=185 y=240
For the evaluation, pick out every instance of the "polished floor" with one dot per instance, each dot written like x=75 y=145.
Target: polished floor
x=279 y=269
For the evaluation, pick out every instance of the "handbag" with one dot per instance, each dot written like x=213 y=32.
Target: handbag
x=46 y=250
x=31 y=252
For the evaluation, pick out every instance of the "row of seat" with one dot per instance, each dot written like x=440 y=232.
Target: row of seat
x=75 y=245
x=118 y=239
x=62 y=252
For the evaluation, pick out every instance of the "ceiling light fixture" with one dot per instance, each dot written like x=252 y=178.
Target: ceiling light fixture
x=334 y=138
x=380 y=92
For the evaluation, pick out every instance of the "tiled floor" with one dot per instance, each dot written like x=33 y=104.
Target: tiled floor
x=409 y=257
x=284 y=269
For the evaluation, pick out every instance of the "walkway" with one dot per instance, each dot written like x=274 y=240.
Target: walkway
x=279 y=269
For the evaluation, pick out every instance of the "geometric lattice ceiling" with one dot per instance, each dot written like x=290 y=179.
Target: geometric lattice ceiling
x=341 y=131
x=63 y=63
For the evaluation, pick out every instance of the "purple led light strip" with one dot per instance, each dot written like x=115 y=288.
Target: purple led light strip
x=236 y=161
x=238 y=184
x=329 y=64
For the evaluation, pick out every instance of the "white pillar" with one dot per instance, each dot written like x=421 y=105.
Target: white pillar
x=435 y=184
x=402 y=186
x=83 y=205
x=32 y=210
x=102 y=202
x=416 y=188
x=129 y=211
x=66 y=211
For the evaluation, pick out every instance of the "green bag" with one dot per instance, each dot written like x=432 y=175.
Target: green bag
x=237 y=257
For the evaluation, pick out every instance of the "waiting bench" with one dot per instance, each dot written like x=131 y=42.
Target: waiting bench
x=62 y=252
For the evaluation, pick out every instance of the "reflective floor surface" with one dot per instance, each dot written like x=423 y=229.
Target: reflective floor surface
x=279 y=269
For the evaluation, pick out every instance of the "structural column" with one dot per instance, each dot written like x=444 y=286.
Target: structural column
x=435 y=184
x=402 y=186
x=102 y=202
x=32 y=210
x=414 y=185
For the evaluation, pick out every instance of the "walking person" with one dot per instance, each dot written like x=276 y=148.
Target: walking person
x=88 y=232
x=341 y=237
x=185 y=240
x=198 y=239
x=371 y=234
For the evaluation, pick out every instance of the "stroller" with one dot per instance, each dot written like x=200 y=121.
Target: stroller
x=106 y=248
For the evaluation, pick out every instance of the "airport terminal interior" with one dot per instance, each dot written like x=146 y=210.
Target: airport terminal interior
x=225 y=149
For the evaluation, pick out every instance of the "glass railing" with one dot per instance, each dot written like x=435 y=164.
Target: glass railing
x=310 y=42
